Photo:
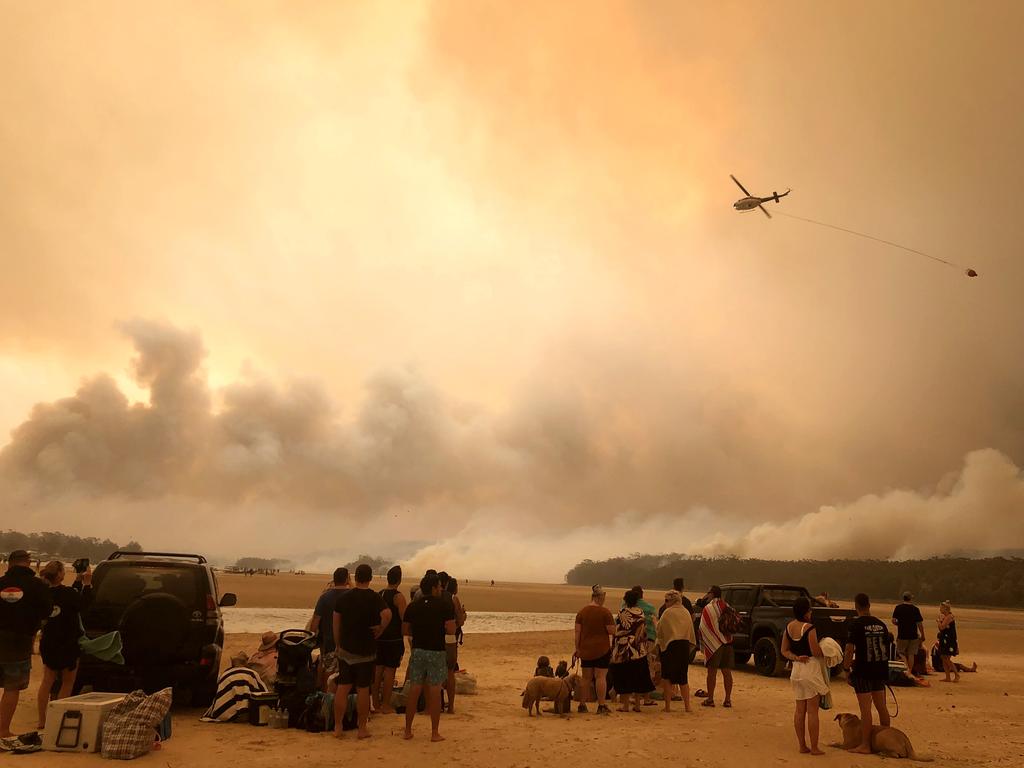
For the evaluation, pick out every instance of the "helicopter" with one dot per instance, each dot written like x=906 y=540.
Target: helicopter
x=750 y=202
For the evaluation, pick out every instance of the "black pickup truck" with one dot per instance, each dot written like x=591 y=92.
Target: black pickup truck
x=765 y=610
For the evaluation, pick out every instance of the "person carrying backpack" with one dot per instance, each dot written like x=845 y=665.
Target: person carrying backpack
x=718 y=622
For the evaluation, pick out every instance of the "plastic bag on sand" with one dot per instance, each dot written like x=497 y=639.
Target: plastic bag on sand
x=465 y=683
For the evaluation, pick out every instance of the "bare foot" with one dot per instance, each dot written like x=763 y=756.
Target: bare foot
x=407 y=735
x=436 y=737
x=817 y=752
x=338 y=734
x=804 y=750
x=364 y=734
x=861 y=750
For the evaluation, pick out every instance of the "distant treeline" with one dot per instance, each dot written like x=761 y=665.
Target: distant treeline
x=52 y=545
x=380 y=565
x=994 y=581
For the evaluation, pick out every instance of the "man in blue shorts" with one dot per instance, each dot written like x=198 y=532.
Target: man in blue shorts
x=427 y=620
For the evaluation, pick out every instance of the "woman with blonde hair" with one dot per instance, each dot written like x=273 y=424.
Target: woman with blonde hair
x=948 y=646
x=58 y=645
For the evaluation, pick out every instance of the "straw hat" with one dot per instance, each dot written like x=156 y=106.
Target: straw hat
x=269 y=641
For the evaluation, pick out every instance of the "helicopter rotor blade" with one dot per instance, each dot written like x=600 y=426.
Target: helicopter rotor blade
x=764 y=211
x=740 y=185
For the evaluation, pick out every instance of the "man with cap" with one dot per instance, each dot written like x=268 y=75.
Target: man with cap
x=909 y=630
x=24 y=602
x=595 y=626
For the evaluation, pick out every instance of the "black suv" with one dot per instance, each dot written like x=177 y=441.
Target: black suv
x=167 y=608
x=765 y=610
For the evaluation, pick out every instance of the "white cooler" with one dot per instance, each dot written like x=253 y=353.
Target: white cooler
x=75 y=724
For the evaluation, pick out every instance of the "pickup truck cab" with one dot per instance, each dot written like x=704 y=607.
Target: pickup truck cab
x=765 y=610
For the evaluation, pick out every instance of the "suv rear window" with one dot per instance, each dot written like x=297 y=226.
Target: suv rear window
x=117 y=586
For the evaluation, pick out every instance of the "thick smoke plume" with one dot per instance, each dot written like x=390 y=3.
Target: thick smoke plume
x=524 y=495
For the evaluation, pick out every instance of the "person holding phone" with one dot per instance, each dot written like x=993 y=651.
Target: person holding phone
x=58 y=645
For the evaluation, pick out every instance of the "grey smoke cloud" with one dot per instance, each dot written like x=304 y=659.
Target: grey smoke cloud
x=524 y=494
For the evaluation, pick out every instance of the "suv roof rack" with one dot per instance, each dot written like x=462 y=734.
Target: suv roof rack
x=121 y=554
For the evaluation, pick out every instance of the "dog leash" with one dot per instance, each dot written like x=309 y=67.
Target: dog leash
x=894 y=700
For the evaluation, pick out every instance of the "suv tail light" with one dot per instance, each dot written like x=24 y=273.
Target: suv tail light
x=211 y=604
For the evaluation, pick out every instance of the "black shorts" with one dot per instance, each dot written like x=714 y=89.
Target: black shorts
x=675 y=662
x=865 y=686
x=360 y=675
x=60 y=658
x=601 y=662
x=390 y=653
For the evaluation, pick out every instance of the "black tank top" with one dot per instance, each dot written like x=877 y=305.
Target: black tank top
x=393 y=631
x=801 y=647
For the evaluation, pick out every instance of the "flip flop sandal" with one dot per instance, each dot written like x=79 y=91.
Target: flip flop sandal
x=701 y=693
x=707 y=703
x=727 y=704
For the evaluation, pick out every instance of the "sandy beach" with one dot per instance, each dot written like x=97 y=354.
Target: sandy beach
x=975 y=723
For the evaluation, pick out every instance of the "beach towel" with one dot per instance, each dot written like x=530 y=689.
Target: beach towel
x=234 y=688
x=831 y=656
x=711 y=637
x=675 y=623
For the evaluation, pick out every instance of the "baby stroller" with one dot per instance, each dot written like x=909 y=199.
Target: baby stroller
x=296 y=674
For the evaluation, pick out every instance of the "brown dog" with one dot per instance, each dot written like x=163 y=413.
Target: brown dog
x=556 y=689
x=886 y=741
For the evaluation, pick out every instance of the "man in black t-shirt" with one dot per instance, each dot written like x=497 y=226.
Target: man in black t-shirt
x=427 y=620
x=909 y=629
x=867 y=664
x=360 y=616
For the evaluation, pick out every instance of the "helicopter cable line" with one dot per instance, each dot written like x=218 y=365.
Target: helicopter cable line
x=967 y=270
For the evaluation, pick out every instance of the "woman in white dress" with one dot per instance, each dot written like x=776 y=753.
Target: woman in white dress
x=800 y=645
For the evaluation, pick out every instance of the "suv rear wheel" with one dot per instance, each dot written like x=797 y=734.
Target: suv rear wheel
x=767 y=657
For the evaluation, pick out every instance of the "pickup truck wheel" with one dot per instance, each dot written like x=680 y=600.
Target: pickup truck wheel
x=742 y=658
x=767 y=659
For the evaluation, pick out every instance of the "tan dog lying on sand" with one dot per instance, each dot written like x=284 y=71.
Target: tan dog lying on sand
x=557 y=689
x=885 y=741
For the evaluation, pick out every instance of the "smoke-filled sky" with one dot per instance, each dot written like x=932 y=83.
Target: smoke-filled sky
x=460 y=282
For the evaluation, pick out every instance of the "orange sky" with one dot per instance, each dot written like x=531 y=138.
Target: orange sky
x=528 y=206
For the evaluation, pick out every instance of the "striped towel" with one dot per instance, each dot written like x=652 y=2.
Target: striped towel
x=234 y=687
x=711 y=637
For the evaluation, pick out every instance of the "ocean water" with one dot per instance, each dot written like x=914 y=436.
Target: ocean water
x=237 y=620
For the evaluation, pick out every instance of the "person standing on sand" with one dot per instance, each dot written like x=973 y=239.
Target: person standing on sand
x=631 y=673
x=948 y=644
x=390 y=645
x=24 y=602
x=58 y=643
x=427 y=620
x=867 y=664
x=909 y=630
x=717 y=647
x=595 y=626
x=360 y=617
x=322 y=623
x=800 y=646
x=675 y=638
x=451 y=642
